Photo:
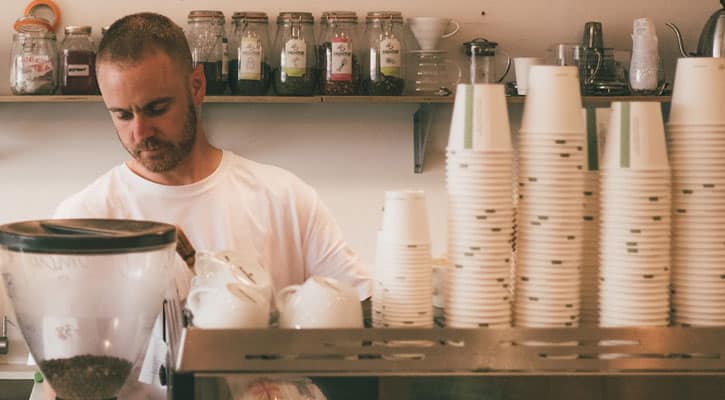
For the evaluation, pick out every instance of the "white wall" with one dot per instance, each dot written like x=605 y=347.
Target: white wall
x=350 y=153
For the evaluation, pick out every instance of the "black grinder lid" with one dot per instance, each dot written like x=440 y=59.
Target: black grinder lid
x=86 y=236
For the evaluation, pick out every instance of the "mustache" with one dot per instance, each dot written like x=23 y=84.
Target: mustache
x=151 y=144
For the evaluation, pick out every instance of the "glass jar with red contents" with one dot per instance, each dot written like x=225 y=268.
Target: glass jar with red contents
x=78 y=62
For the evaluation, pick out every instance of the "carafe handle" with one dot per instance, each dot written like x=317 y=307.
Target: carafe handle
x=508 y=67
x=453 y=32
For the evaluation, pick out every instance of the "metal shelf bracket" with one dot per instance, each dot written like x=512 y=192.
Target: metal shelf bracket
x=422 y=122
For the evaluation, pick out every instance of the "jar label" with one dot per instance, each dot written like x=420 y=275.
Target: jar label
x=294 y=58
x=390 y=57
x=79 y=70
x=35 y=66
x=225 y=58
x=341 y=60
x=250 y=59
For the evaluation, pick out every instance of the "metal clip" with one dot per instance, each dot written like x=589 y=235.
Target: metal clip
x=4 y=341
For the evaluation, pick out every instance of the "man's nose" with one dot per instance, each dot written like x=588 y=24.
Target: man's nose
x=142 y=128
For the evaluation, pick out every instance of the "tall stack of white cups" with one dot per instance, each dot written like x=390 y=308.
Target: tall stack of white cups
x=480 y=210
x=549 y=232
x=697 y=153
x=403 y=279
x=635 y=219
x=644 y=66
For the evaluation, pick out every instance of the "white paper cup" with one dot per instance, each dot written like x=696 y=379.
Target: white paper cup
x=405 y=219
x=636 y=137
x=553 y=103
x=697 y=96
x=522 y=66
x=480 y=119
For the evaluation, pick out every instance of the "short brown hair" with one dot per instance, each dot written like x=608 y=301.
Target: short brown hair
x=134 y=36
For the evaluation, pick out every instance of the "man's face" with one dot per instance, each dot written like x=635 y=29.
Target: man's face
x=152 y=109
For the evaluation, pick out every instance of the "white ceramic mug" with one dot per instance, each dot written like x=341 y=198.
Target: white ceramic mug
x=219 y=268
x=320 y=302
x=232 y=306
x=429 y=30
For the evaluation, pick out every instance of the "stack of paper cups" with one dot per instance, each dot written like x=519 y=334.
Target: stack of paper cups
x=635 y=219
x=402 y=291
x=480 y=210
x=697 y=154
x=597 y=120
x=549 y=232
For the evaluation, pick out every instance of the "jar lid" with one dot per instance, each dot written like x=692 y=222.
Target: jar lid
x=480 y=47
x=252 y=16
x=32 y=24
x=292 y=16
x=395 y=16
x=205 y=14
x=72 y=29
x=344 y=16
x=47 y=10
x=86 y=236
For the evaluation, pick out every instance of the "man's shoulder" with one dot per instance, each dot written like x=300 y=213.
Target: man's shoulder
x=266 y=177
x=95 y=200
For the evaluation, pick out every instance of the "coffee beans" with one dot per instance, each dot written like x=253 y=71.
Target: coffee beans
x=388 y=86
x=86 y=376
x=285 y=85
x=249 y=87
x=332 y=87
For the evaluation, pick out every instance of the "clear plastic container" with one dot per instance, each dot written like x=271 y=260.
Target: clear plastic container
x=78 y=62
x=86 y=296
x=34 y=63
x=384 y=60
x=249 y=68
x=206 y=41
x=295 y=55
x=339 y=49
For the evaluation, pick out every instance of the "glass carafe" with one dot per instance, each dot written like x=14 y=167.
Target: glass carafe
x=484 y=59
x=432 y=73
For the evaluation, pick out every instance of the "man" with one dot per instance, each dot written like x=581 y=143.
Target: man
x=174 y=175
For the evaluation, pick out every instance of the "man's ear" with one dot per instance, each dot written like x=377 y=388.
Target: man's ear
x=198 y=84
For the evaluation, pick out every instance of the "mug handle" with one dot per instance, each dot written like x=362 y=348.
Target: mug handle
x=594 y=74
x=284 y=295
x=192 y=300
x=246 y=293
x=453 y=32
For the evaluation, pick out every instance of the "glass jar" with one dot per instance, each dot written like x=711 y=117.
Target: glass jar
x=78 y=62
x=384 y=64
x=295 y=64
x=249 y=68
x=34 y=63
x=338 y=48
x=206 y=41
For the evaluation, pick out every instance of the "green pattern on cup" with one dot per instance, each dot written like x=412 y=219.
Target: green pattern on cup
x=592 y=142
x=468 y=120
x=624 y=138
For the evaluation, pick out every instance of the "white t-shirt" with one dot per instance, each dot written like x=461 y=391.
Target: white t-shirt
x=259 y=210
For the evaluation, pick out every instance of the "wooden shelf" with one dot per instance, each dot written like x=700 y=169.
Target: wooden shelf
x=587 y=100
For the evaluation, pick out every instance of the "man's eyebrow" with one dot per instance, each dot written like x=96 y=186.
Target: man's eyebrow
x=151 y=104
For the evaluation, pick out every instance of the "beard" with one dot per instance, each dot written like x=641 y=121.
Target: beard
x=168 y=155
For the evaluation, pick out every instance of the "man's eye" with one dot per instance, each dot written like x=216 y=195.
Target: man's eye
x=157 y=110
x=125 y=116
